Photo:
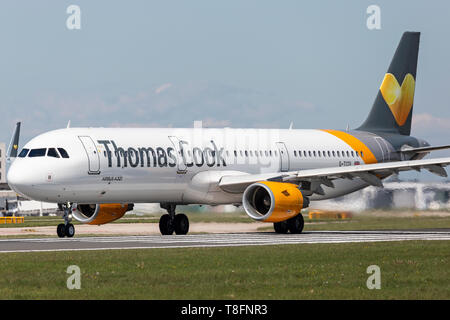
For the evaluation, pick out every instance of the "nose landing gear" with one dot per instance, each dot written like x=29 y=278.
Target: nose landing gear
x=66 y=229
x=171 y=222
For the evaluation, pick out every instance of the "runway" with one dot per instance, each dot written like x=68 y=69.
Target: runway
x=212 y=240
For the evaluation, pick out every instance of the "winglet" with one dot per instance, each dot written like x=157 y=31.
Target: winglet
x=14 y=143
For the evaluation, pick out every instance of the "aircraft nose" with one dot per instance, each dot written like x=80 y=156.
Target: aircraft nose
x=14 y=178
x=18 y=178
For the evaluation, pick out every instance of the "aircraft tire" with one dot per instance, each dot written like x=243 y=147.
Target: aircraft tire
x=281 y=227
x=166 y=225
x=181 y=224
x=69 y=230
x=296 y=224
x=61 y=230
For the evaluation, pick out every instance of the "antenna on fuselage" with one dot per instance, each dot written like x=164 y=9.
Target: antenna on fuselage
x=68 y=124
x=291 y=125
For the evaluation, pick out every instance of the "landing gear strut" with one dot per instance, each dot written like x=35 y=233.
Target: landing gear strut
x=66 y=229
x=171 y=222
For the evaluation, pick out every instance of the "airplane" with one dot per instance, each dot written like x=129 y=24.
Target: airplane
x=96 y=175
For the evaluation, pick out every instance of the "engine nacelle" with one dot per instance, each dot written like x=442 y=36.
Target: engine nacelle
x=270 y=201
x=100 y=213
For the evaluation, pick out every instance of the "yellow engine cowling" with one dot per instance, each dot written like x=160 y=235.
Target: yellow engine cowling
x=100 y=213
x=270 y=201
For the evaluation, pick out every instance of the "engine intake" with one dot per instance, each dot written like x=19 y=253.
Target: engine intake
x=100 y=213
x=270 y=201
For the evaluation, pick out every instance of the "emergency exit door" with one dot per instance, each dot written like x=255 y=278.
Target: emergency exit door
x=284 y=156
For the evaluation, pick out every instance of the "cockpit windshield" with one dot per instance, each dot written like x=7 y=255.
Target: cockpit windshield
x=42 y=152
x=37 y=152
x=52 y=153
x=63 y=153
x=23 y=153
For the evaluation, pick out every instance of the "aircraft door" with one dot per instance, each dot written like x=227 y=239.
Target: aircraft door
x=181 y=164
x=284 y=156
x=92 y=154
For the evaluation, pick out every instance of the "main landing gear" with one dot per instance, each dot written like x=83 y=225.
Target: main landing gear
x=66 y=229
x=171 y=222
x=293 y=225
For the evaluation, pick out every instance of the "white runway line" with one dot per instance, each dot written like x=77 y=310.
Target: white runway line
x=212 y=240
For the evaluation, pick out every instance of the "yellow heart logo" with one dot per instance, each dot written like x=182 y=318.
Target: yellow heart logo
x=399 y=99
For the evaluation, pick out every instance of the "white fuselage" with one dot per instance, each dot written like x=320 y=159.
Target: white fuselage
x=182 y=166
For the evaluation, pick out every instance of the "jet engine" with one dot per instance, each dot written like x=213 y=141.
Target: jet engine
x=270 y=201
x=100 y=213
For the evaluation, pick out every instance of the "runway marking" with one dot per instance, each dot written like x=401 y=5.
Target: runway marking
x=211 y=240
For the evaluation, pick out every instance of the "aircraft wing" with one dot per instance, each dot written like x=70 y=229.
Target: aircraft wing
x=369 y=173
x=424 y=149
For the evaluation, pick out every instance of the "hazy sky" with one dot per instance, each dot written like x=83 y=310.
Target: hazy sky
x=228 y=63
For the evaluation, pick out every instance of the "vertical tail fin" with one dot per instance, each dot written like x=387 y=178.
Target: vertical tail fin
x=392 y=109
x=14 y=144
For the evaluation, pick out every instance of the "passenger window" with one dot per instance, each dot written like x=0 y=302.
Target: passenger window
x=23 y=153
x=295 y=153
x=52 y=153
x=37 y=152
x=63 y=153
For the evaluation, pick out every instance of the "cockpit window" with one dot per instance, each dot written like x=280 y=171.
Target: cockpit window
x=23 y=153
x=37 y=152
x=52 y=153
x=63 y=153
